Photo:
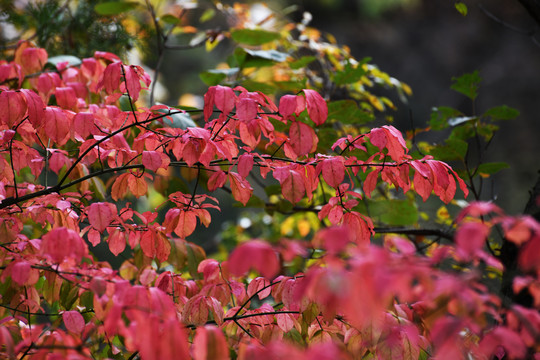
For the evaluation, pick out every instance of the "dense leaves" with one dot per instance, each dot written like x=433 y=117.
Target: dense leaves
x=77 y=168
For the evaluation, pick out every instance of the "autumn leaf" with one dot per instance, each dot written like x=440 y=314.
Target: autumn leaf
x=316 y=106
x=254 y=254
x=101 y=215
x=241 y=189
x=74 y=321
x=302 y=138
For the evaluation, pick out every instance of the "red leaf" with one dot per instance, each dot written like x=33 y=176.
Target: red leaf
x=12 y=107
x=74 y=321
x=216 y=180
x=137 y=185
x=20 y=272
x=470 y=238
x=57 y=161
x=260 y=286
x=111 y=78
x=210 y=344
x=316 y=106
x=94 y=237
x=195 y=311
x=333 y=239
x=132 y=82
x=246 y=109
x=254 y=254
x=57 y=126
x=287 y=105
x=285 y=322
x=529 y=255
x=187 y=222
x=151 y=160
x=241 y=189
x=224 y=98
x=245 y=165
x=293 y=187
x=302 y=138
x=120 y=187
x=31 y=59
x=61 y=244
x=101 y=215
x=117 y=241
x=66 y=98
x=36 y=108
x=83 y=125
x=371 y=182
x=333 y=171
x=155 y=244
x=209 y=102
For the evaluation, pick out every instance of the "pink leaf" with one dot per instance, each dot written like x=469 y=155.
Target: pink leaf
x=241 y=189
x=61 y=244
x=66 y=98
x=151 y=160
x=246 y=109
x=470 y=238
x=20 y=272
x=302 y=138
x=117 y=241
x=316 y=106
x=333 y=171
x=57 y=125
x=187 y=222
x=293 y=186
x=101 y=215
x=217 y=180
x=224 y=99
x=254 y=254
x=83 y=125
x=111 y=78
x=74 y=321
x=210 y=344
x=287 y=105
x=12 y=107
x=245 y=164
x=36 y=108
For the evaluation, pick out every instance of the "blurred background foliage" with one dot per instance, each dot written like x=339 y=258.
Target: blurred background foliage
x=282 y=46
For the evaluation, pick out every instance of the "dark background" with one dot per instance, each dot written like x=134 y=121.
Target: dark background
x=426 y=43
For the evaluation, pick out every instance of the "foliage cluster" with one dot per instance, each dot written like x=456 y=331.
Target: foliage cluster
x=347 y=266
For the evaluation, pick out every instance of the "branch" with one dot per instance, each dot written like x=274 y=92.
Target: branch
x=412 y=231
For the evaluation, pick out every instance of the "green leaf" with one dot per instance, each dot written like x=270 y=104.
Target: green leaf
x=502 y=112
x=348 y=112
x=274 y=189
x=302 y=62
x=462 y=8
x=440 y=115
x=114 y=7
x=273 y=55
x=68 y=295
x=254 y=37
x=350 y=74
x=177 y=120
x=70 y=59
x=453 y=149
x=267 y=88
x=460 y=120
x=393 y=212
x=467 y=84
x=170 y=19
x=253 y=202
x=208 y=14
x=491 y=168
x=216 y=76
